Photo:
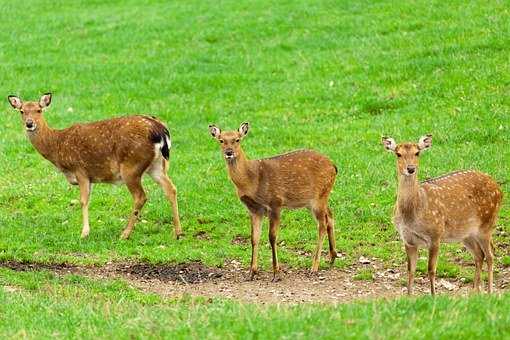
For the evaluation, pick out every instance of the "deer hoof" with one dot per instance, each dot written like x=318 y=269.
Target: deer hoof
x=332 y=260
x=276 y=277
x=253 y=274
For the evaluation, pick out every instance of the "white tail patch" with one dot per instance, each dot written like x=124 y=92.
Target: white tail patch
x=168 y=141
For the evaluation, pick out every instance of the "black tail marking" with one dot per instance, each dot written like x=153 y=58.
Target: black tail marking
x=165 y=150
x=159 y=134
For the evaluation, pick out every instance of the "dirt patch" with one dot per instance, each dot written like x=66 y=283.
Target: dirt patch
x=34 y=266
x=186 y=273
x=300 y=286
x=240 y=239
x=202 y=235
x=297 y=285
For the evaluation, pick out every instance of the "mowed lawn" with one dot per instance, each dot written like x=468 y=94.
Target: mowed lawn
x=329 y=75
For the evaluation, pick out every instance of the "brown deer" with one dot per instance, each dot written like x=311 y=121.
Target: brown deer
x=117 y=150
x=299 y=179
x=459 y=206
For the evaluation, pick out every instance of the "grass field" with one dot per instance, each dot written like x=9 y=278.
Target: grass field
x=332 y=76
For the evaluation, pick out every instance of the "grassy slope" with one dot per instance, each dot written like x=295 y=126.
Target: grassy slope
x=329 y=76
x=41 y=305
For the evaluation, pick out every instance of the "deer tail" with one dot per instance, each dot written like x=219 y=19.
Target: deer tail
x=159 y=134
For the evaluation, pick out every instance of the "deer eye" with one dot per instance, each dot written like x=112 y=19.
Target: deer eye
x=221 y=141
x=237 y=140
x=21 y=111
x=39 y=111
x=398 y=154
x=417 y=154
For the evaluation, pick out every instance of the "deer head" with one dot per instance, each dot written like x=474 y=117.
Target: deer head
x=31 y=112
x=407 y=153
x=230 y=141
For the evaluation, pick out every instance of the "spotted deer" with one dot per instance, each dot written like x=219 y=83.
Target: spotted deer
x=299 y=179
x=461 y=206
x=117 y=150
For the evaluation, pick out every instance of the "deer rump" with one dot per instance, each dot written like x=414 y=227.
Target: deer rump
x=102 y=148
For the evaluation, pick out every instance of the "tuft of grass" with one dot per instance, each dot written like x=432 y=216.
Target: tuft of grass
x=364 y=274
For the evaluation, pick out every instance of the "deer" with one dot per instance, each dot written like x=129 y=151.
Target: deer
x=461 y=206
x=298 y=179
x=117 y=151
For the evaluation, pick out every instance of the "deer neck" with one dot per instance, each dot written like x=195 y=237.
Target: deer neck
x=243 y=172
x=408 y=196
x=45 y=140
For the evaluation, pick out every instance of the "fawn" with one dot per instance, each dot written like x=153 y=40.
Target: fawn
x=298 y=179
x=459 y=206
x=117 y=150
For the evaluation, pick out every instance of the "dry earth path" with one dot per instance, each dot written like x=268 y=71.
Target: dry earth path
x=297 y=285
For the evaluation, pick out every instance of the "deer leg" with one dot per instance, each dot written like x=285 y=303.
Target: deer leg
x=433 y=254
x=331 y=237
x=320 y=215
x=134 y=185
x=171 y=194
x=256 y=222
x=478 y=256
x=274 y=223
x=487 y=248
x=85 y=186
x=412 y=258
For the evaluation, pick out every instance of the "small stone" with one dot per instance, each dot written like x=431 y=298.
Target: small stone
x=364 y=260
x=447 y=285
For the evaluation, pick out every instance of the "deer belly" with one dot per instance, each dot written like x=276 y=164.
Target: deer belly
x=456 y=232
x=71 y=178
x=112 y=179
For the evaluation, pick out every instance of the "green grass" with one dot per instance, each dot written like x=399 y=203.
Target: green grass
x=325 y=76
x=40 y=305
x=328 y=75
x=364 y=274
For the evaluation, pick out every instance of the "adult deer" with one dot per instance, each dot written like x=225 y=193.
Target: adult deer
x=117 y=150
x=459 y=206
x=298 y=179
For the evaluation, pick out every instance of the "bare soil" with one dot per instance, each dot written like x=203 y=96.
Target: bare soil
x=296 y=286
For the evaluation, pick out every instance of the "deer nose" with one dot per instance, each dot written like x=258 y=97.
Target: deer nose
x=411 y=169
x=29 y=123
x=229 y=152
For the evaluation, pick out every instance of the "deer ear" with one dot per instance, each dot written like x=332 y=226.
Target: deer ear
x=425 y=142
x=15 y=102
x=215 y=131
x=45 y=100
x=389 y=143
x=244 y=128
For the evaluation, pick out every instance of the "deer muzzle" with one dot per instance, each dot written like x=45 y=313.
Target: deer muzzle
x=30 y=125
x=410 y=169
x=229 y=154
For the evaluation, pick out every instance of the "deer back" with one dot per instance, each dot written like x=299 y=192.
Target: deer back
x=464 y=199
x=98 y=149
x=296 y=177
